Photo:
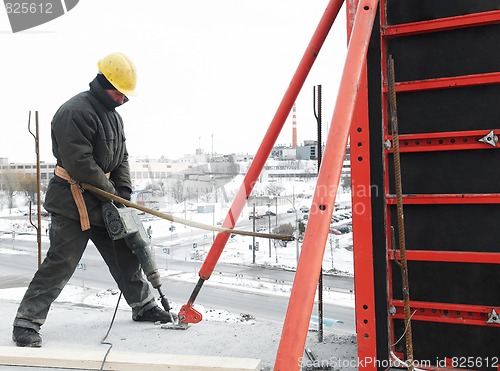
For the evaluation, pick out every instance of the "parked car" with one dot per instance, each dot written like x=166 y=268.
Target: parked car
x=290 y=210
x=344 y=228
x=335 y=231
x=304 y=209
x=270 y=213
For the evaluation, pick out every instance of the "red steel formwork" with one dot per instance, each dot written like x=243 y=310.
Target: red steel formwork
x=361 y=208
x=447 y=86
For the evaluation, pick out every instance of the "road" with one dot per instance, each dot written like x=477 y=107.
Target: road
x=17 y=270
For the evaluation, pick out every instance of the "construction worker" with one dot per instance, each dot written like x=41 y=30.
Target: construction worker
x=88 y=143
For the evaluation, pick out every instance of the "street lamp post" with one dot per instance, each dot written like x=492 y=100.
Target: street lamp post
x=297 y=232
x=253 y=245
x=269 y=218
x=276 y=212
x=215 y=200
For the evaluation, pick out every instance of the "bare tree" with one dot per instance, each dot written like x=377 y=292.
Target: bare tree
x=10 y=181
x=177 y=191
x=302 y=227
x=345 y=182
x=274 y=189
x=234 y=168
x=285 y=229
x=156 y=187
x=211 y=194
x=28 y=186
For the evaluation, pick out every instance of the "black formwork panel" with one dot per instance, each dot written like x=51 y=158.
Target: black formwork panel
x=445 y=172
x=449 y=53
x=452 y=228
x=462 y=350
x=406 y=11
x=445 y=282
x=467 y=108
x=434 y=226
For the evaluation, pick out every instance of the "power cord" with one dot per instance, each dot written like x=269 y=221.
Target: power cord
x=103 y=341
x=406 y=329
x=395 y=357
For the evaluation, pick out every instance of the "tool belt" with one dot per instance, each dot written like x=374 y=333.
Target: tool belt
x=77 y=193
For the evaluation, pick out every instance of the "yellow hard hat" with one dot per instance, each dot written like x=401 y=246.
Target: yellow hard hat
x=120 y=71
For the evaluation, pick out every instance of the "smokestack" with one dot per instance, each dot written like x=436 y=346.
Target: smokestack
x=294 y=128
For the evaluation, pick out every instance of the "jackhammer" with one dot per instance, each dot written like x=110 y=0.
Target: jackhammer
x=124 y=223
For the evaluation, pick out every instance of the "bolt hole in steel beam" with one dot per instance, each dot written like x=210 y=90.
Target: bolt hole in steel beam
x=322 y=207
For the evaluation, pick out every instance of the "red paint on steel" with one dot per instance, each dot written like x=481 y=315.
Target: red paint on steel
x=361 y=191
x=450 y=256
x=441 y=199
x=444 y=141
x=463 y=314
x=188 y=314
x=447 y=82
x=443 y=24
x=364 y=282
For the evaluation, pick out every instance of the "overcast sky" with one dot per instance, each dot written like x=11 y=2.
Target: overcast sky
x=207 y=69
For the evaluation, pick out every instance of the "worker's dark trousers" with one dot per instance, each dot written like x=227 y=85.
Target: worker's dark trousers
x=67 y=244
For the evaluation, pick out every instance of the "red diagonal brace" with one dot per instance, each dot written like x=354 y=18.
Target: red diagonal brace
x=301 y=302
x=268 y=142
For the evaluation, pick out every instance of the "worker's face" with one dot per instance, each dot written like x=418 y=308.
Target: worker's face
x=116 y=96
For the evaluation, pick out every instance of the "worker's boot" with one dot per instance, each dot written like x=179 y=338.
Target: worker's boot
x=26 y=337
x=155 y=314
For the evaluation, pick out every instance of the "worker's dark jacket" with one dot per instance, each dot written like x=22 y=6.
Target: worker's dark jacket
x=88 y=141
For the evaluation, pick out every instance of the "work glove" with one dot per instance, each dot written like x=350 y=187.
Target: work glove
x=123 y=192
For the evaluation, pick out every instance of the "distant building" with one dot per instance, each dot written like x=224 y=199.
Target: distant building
x=284 y=153
x=25 y=169
x=308 y=151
